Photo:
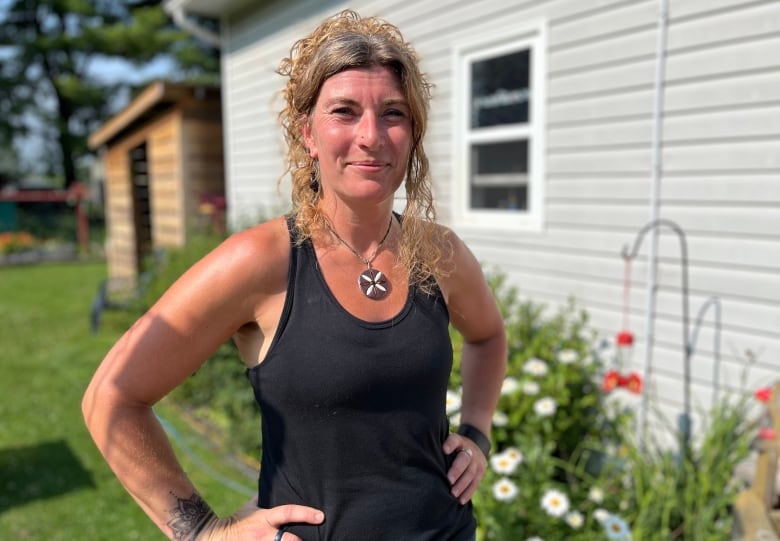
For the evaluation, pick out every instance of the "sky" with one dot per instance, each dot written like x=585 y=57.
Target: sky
x=109 y=70
x=113 y=69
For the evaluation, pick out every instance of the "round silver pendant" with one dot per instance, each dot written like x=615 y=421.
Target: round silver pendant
x=373 y=283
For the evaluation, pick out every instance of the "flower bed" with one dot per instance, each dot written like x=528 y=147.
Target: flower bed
x=564 y=462
x=22 y=248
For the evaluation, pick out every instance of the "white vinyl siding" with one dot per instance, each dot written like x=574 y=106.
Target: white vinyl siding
x=720 y=176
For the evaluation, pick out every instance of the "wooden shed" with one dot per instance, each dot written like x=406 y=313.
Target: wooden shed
x=163 y=159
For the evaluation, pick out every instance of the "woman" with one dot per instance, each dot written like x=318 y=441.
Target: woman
x=340 y=312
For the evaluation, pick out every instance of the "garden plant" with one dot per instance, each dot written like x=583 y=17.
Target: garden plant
x=565 y=461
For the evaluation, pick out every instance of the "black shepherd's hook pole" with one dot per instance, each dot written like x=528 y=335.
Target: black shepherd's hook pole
x=685 y=421
x=713 y=302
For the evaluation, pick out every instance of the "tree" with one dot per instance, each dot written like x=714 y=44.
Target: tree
x=48 y=84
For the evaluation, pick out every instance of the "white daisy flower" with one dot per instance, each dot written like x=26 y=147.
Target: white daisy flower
x=567 y=356
x=535 y=367
x=531 y=388
x=515 y=454
x=509 y=385
x=535 y=538
x=505 y=463
x=500 y=418
x=545 y=407
x=504 y=490
x=601 y=515
x=617 y=528
x=575 y=519
x=596 y=495
x=455 y=419
x=555 y=503
x=453 y=401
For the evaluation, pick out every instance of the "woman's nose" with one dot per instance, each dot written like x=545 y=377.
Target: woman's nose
x=369 y=131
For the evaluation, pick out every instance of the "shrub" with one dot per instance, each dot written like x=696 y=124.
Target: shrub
x=549 y=430
x=686 y=493
x=565 y=464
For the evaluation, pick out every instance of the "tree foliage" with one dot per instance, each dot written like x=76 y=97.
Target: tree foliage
x=49 y=84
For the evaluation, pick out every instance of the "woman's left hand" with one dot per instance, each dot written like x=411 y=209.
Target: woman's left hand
x=467 y=469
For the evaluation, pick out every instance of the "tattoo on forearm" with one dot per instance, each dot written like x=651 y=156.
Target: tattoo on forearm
x=189 y=517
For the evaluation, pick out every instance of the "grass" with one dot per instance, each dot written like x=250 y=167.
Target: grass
x=54 y=485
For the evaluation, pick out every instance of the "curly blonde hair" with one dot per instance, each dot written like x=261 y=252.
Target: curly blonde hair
x=343 y=41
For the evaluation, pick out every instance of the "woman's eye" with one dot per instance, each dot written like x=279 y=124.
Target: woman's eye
x=395 y=116
x=342 y=111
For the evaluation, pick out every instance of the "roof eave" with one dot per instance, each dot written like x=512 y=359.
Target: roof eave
x=153 y=95
x=208 y=8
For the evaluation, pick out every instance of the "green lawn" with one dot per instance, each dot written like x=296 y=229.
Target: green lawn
x=54 y=485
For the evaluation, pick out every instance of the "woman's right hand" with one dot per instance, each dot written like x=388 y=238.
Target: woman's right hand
x=251 y=523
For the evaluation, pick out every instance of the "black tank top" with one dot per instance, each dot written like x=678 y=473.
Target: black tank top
x=353 y=415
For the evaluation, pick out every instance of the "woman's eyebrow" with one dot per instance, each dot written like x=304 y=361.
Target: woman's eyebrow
x=343 y=100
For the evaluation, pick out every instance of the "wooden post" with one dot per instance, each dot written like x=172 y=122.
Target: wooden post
x=774 y=415
x=752 y=522
x=82 y=220
x=756 y=518
x=766 y=472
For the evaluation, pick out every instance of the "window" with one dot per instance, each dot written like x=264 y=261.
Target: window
x=500 y=129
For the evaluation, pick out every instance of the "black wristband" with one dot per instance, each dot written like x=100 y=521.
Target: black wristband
x=475 y=435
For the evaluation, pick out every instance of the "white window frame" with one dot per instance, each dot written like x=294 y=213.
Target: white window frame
x=534 y=38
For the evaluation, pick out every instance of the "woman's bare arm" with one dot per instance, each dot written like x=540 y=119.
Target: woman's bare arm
x=228 y=288
x=475 y=314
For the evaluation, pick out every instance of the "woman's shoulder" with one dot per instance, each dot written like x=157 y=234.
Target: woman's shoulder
x=269 y=235
x=459 y=265
x=261 y=251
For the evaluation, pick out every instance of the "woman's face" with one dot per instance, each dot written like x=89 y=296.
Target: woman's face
x=360 y=131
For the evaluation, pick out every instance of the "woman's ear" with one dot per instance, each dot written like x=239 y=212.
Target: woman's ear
x=308 y=140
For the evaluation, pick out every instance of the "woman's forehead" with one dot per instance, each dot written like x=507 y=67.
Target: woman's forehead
x=357 y=80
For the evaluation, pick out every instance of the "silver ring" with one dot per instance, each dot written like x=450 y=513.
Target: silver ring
x=280 y=533
x=468 y=451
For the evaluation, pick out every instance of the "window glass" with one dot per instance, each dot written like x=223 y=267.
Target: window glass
x=499 y=175
x=500 y=90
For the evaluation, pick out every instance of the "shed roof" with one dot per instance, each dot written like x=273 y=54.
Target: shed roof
x=156 y=97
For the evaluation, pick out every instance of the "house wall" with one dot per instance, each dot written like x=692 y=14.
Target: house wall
x=720 y=160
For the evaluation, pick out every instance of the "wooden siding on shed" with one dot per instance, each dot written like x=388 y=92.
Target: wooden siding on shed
x=161 y=136
x=202 y=158
x=163 y=147
x=720 y=157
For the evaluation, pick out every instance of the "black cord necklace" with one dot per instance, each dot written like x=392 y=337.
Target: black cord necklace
x=372 y=282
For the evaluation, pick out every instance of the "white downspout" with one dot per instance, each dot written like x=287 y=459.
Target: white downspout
x=176 y=10
x=655 y=190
